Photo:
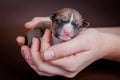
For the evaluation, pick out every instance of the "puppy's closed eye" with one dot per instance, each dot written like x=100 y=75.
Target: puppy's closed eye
x=59 y=21
x=76 y=25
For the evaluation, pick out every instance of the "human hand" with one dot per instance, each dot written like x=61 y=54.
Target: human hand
x=89 y=46
x=87 y=41
x=76 y=54
x=68 y=58
x=34 y=58
x=33 y=55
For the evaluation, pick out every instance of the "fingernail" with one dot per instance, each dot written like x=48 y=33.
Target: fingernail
x=49 y=55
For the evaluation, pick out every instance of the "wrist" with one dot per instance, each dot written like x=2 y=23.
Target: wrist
x=111 y=47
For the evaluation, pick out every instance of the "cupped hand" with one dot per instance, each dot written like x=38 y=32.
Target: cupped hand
x=67 y=58
x=76 y=54
x=34 y=59
x=88 y=41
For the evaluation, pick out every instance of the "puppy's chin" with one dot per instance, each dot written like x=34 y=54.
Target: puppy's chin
x=65 y=38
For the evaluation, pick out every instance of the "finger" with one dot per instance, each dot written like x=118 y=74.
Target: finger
x=66 y=48
x=35 y=50
x=41 y=19
x=30 y=24
x=42 y=66
x=20 y=40
x=25 y=51
x=35 y=21
x=27 y=55
x=75 y=62
x=45 y=42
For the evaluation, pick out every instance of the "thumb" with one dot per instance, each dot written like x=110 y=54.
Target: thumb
x=65 y=49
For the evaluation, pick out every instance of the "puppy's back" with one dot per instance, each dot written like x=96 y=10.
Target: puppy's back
x=37 y=32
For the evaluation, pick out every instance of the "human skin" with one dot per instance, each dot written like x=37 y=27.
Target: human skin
x=69 y=58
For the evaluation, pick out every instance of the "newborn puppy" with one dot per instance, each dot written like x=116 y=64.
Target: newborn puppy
x=66 y=24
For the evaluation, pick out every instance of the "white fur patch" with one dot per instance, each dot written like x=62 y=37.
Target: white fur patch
x=71 y=18
x=68 y=26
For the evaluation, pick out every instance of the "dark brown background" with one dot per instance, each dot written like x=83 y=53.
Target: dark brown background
x=13 y=15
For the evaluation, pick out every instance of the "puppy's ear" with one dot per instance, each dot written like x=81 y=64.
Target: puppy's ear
x=52 y=16
x=85 y=23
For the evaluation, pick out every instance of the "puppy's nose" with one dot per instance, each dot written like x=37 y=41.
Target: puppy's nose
x=67 y=32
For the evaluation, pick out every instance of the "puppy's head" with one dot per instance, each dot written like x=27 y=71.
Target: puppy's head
x=67 y=23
